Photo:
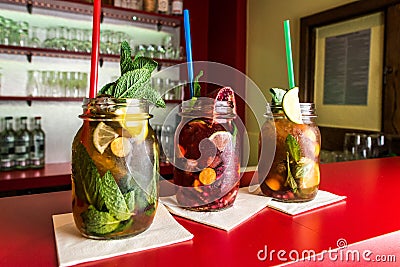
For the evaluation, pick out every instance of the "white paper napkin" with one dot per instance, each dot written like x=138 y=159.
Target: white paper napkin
x=244 y=207
x=323 y=198
x=72 y=248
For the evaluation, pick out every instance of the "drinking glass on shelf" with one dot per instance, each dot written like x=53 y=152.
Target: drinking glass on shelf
x=49 y=42
x=377 y=146
x=83 y=82
x=22 y=33
x=150 y=51
x=62 y=38
x=141 y=50
x=355 y=146
x=32 y=88
x=34 y=40
x=87 y=40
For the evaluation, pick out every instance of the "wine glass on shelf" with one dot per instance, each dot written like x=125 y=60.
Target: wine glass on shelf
x=34 y=40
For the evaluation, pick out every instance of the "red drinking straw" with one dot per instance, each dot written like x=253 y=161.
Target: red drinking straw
x=95 y=49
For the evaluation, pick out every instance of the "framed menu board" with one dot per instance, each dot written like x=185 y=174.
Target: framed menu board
x=348 y=73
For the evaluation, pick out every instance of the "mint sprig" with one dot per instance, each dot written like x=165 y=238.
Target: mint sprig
x=108 y=206
x=196 y=85
x=134 y=81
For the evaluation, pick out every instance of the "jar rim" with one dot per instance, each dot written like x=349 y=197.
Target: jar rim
x=207 y=107
x=106 y=108
x=307 y=109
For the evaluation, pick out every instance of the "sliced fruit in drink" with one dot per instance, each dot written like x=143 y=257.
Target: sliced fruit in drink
x=137 y=129
x=103 y=135
x=226 y=94
x=207 y=176
x=221 y=139
x=273 y=183
x=312 y=179
x=121 y=147
x=291 y=105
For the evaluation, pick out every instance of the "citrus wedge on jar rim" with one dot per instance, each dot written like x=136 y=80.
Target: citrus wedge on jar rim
x=291 y=105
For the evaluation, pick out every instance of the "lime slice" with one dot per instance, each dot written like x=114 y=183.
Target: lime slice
x=103 y=135
x=121 y=147
x=291 y=105
x=221 y=139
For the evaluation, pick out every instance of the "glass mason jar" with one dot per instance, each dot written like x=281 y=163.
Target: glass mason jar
x=294 y=173
x=206 y=162
x=115 y=169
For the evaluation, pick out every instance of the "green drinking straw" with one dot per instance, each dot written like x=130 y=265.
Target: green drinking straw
x=289 y=58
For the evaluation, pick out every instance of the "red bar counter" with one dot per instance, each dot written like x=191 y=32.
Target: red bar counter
x=368 y=223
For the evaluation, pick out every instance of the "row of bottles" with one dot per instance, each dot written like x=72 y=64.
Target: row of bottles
x=174 y=7
x=22 y=148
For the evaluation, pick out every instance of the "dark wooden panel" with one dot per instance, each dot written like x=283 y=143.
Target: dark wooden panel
x=391 y=93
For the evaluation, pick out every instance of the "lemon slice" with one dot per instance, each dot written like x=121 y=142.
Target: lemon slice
x=137 y=129
x=291 y=105
x=103 y=135
x=221 y=139
x=121 y=147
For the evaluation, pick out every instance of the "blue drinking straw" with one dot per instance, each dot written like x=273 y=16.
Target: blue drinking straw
x=188 y=50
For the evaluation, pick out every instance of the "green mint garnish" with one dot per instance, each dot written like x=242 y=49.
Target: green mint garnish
x=196 y=85
x=277 y=95
x=135 y=78
x=108 y=206
x=99 y=222
x=113 y=198
x=290 y=179
x=293 y=147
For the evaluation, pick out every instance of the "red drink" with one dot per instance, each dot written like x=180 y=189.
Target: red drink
x=206 y=158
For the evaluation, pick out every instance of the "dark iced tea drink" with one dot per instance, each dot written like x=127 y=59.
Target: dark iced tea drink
x=294 y=174
x=206 y=156
x=114 y=169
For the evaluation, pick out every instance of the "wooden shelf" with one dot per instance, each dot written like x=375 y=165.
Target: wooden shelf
x=79 y=7
x=29 y=52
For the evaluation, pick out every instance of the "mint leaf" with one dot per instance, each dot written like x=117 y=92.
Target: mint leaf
x=196 y=85
x=130 y=84
x=134 y=75
x=153 y=96
x=87 y=181
x=126 y=63
x=107 y=89
x=144 y=63
x=277 y=95
x=130 y=200
x=293 y=147
x=113 y=198
x=290 y=179
x=99 y=222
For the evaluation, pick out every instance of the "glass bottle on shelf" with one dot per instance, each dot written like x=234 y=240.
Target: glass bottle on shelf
x=177 y=7
x=149 y=5
x=37 y=153
x=162 y=6
x=22 y=144
x=7 y=139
